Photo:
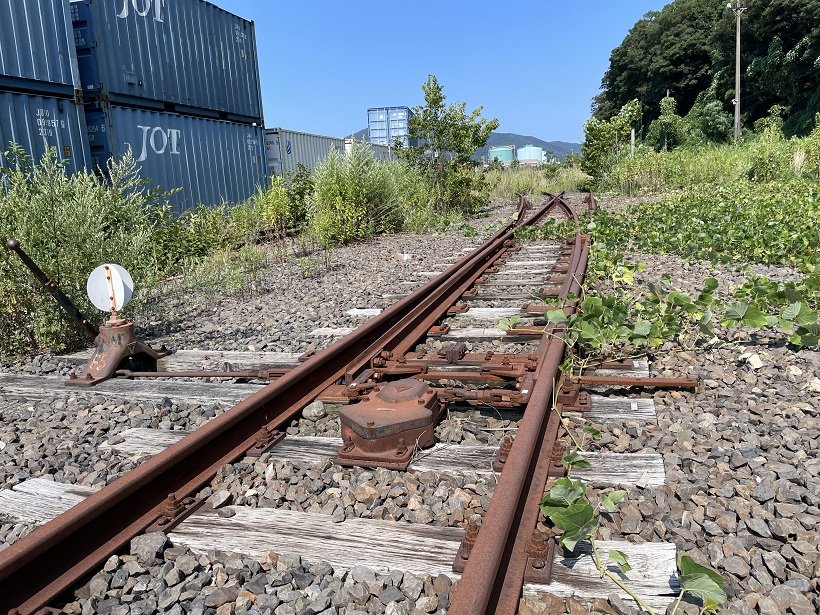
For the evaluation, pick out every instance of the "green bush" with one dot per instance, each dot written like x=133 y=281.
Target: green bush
x=69 y=224
x=354 y=197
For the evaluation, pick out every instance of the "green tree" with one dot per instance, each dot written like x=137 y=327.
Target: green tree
x=443 y=140
x=668 y=131
x=688 y=48
x=604 y=138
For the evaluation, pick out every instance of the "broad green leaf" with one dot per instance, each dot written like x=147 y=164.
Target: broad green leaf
x=621 y=559
x=574 y=460
x=791 y=312
x=642 y=328
x=595 y=433
x=734 y=313
x=564 y=492
x=710 y=285
x=703 y=587
x=610 y=500
x=556 y=317
x=754 y=318
x=689 y=566
x=806 y=315
x=577 y=523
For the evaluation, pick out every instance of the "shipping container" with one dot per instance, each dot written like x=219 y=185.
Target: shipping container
x=288 y=148
x=380 y=152
x=37 y=48
x=210 y=160
x=386 y=124
x=186 y=56
x=38 y=123
x=505 y=154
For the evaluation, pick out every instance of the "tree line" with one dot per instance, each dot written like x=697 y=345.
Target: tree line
x=687 y=51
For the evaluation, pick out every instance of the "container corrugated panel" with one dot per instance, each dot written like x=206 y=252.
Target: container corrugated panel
x=386 y=124
x=380 y=152
x=210 y=160
x=288 y=148
x=182 y=55
x=37 y=48
x=38 y=123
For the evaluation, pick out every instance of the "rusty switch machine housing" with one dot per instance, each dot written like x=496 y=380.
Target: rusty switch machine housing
x=387 y=425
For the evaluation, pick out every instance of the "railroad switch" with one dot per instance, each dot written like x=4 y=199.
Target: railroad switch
x=117 y=347
x=387 y=425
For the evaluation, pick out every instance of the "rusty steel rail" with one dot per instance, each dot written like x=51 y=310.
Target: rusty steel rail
x=493 y=577
x=39 y=567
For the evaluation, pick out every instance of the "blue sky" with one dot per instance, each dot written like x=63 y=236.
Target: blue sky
x=533 y=64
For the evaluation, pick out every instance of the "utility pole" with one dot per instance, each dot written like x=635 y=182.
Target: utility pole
x=737 y=9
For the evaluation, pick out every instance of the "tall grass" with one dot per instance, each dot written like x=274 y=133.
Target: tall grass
x=509 y=183
x=763 y=157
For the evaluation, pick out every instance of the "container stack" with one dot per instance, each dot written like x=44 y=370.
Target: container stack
x=39 y=83
x=177 y=83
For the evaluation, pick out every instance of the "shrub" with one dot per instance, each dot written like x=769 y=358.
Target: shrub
x=353 y=198
x=69 y=224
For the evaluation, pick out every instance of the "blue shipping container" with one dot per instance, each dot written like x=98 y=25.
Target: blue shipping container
x=188 y=56
x=386 y=124
x=37 y=48
x=38 y=123
x=210 y=160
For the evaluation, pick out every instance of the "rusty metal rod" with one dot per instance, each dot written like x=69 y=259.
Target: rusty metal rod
x=629 y=381
x=494 y=574
x=53 y=289
x=264 y=374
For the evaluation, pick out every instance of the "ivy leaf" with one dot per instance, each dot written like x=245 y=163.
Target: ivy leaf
x=610 y=500
x=705 y=323
x=791 y=312
x=710 y=285
x=574 y=460
x=741 y=312
x=556 y=317
x=642 y=328
x=577 y=523
x=565 y=492
x=806 y=315
x=621 y=559
x=701 y=581
x=595 y=433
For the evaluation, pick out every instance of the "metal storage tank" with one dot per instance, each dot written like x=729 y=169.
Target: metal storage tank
x=210 y=160
x=530 y=154
x=40 y=122
x=386 y=124
x=505 y=154
x=380 y=152
x=288 y=148
x=37 y=48
x=188 y=56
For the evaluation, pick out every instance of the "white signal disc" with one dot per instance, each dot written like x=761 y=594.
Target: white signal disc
x=113 y=294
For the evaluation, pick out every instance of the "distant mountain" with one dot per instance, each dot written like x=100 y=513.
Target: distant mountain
x=559 y=148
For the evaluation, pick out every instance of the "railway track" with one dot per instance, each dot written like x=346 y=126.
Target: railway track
x=421 y=339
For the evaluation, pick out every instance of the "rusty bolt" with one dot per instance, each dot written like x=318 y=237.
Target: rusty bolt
x=89 y=376
x=401 y=448
x=371 y=423
x=470 y=536
x=72 y=376
x=505 y=448
x=538 y=549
